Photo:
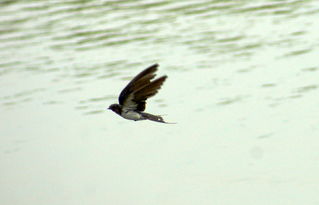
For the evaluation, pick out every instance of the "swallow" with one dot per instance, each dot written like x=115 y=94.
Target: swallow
x=132 y=99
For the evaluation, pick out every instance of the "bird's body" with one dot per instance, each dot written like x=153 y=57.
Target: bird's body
x=132 y=115
x=132 y=99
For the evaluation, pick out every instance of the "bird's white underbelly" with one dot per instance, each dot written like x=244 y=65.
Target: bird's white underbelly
x=131 y=115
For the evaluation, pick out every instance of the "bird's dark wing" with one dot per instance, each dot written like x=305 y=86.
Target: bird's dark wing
x=139 y=81
x=149 y=90
x=137 y=99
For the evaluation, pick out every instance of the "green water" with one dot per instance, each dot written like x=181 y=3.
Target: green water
x=242 y=86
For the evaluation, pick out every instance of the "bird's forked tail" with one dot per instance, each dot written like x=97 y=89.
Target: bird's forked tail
x=156 y=118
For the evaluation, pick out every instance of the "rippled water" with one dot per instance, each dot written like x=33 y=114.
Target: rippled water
x=242 y=87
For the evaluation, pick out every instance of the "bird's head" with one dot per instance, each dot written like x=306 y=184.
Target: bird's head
x=115 y=108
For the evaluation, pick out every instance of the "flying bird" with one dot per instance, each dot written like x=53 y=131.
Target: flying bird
x=132 y=99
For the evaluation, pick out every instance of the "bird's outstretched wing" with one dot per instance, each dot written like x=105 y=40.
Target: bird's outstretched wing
x=135 y=94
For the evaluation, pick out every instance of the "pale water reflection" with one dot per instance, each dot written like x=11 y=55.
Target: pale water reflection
x=242 y=85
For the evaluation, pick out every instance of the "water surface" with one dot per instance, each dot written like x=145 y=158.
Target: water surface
x=242 y=87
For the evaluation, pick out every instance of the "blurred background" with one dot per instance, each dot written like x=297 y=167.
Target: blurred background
x=242 y=86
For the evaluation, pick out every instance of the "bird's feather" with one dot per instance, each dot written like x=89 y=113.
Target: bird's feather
x=139 y=81
x=141 y=95
x=135 y=94
x=137 y=99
